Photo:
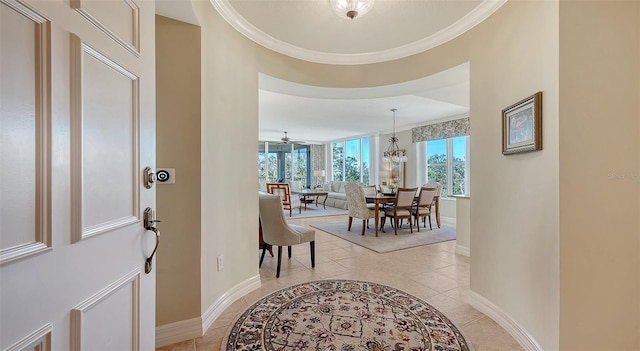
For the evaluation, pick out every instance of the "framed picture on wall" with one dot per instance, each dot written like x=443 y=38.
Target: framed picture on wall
x=397 y=174
x=522 y=125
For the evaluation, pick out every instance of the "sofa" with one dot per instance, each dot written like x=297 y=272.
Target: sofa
x=336 y=194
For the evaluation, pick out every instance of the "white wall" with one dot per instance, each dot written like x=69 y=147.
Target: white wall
x=463 y=226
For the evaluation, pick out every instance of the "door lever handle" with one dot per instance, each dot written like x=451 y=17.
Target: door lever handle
x=147 y=263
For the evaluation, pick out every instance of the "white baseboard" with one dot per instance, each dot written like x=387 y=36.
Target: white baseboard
x=196 y=327
x=175 y=332
x=463 y=250
x=229 y=297
x=526 y=340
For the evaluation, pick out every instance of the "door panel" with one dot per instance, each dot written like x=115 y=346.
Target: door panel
x=81 y=106
x=117 y=18
x=24 y=101
x=104 y=143
x=108 y=313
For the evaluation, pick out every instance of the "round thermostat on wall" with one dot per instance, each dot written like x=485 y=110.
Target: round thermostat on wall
x=166 y=175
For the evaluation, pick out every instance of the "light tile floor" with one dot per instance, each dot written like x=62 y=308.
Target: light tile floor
x=432 y=272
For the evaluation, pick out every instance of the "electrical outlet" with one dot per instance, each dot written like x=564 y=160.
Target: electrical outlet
x=220 y=263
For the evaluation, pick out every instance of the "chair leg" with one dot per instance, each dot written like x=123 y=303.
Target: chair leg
x=382 y=222
x=364 y=221
x=312 y=245
x=290 y=212
x=410 y=225
x=289 y=249
x=279 y=261
x=264 y=251
x=349 y=226
x=395 y=227
x=430 y=227
x=417 y=222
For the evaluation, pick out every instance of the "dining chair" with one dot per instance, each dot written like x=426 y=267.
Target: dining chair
x=357 y=205
x=277 y=232
x=289 y=202
x=402 y=206
x=422 y=209
x=436 y=199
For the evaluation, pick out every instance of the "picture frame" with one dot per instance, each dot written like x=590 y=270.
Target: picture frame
x=397 y=174
x=522 y=126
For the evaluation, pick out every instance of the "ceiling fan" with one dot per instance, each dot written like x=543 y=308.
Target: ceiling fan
x=286 y=140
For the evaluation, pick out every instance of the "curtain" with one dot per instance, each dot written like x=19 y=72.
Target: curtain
x=317 y=158
x=442 y=130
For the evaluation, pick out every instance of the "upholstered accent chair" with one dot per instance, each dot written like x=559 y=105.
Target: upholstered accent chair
x=436 y=199
x=357 y=205
x=277 y=232
x=402 y=206
x=422 y=209
x=289 y=201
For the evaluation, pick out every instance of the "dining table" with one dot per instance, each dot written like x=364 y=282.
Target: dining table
x=381 y=198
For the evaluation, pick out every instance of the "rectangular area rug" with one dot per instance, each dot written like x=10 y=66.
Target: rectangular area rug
x=387 y=242
x=313 y=211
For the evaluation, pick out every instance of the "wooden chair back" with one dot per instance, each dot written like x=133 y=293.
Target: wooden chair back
x=283 y=190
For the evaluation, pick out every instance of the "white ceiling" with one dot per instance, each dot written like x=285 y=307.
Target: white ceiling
x=310 y=30
x=319 y=115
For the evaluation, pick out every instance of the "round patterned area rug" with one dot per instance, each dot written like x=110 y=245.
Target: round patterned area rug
x=343 y=315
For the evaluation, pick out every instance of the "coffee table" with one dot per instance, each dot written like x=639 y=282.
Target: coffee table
x=307 y=196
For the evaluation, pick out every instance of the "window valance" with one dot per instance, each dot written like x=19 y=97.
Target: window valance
x=442 y=130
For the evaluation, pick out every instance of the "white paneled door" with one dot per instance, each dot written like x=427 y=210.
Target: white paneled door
x=77 y=128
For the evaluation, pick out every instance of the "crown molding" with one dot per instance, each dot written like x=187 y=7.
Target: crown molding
x=479 y=14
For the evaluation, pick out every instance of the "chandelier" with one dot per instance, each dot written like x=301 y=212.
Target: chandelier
x=351 y=8
x=393 y=153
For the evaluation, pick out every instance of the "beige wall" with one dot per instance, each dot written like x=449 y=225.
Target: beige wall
x=514 y=200
x=229 y=169
x=600 y=175
x=178 y=146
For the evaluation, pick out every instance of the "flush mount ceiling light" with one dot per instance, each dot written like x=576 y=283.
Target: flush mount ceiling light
x=351 y=8
x=393 y=153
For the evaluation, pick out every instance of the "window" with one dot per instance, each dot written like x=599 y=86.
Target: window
x=351 y=160
x=300 y=164
x=447 y=164
x=283 y=163
x=337 y=152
